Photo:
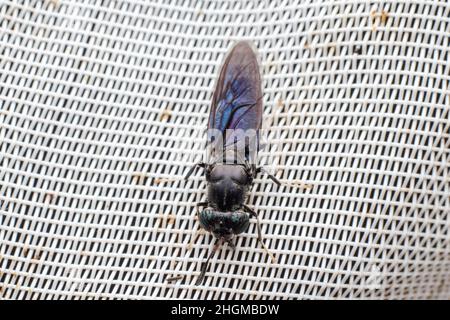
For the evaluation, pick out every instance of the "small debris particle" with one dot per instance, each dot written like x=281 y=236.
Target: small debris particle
x=280 y=103
x=358 y=50
x=306 y=45
x=37 y=256
x=171 y=219
x=4 y=112
x=331 y=47
x=302 y=185
x=200 y=13
x=163 y=180
x=49 y=197
x=373 y=15
x=384 y=16
x=165 y=115
x=139 y=178
x=55 y=3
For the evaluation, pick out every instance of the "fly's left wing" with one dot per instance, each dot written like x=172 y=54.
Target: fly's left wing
x=236 y=109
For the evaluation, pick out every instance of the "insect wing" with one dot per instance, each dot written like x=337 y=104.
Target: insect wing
x=236 y=109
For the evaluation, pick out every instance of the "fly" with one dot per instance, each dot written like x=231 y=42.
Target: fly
x=233 y=142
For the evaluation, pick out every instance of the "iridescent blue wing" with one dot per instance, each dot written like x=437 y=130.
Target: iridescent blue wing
x=237 y=101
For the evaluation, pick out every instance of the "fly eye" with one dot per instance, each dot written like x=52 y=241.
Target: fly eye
x=239 y=222
x=207 y=218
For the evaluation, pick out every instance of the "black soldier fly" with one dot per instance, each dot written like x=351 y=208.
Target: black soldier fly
x=233 y=139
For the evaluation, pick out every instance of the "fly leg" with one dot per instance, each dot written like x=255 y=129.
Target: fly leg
x=258 y=226
x=197 y=232
x=231 y=244
x=297 y=184
x=205 y=264
x=200 y=204
x=191 y=170
x=271 y=177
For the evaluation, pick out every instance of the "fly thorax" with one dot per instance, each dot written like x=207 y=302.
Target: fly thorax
x=227 y=187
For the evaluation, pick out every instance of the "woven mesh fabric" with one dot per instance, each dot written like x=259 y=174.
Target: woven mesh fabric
x=101 y=102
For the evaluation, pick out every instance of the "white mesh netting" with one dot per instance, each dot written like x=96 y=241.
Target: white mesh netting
x=100 y=101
